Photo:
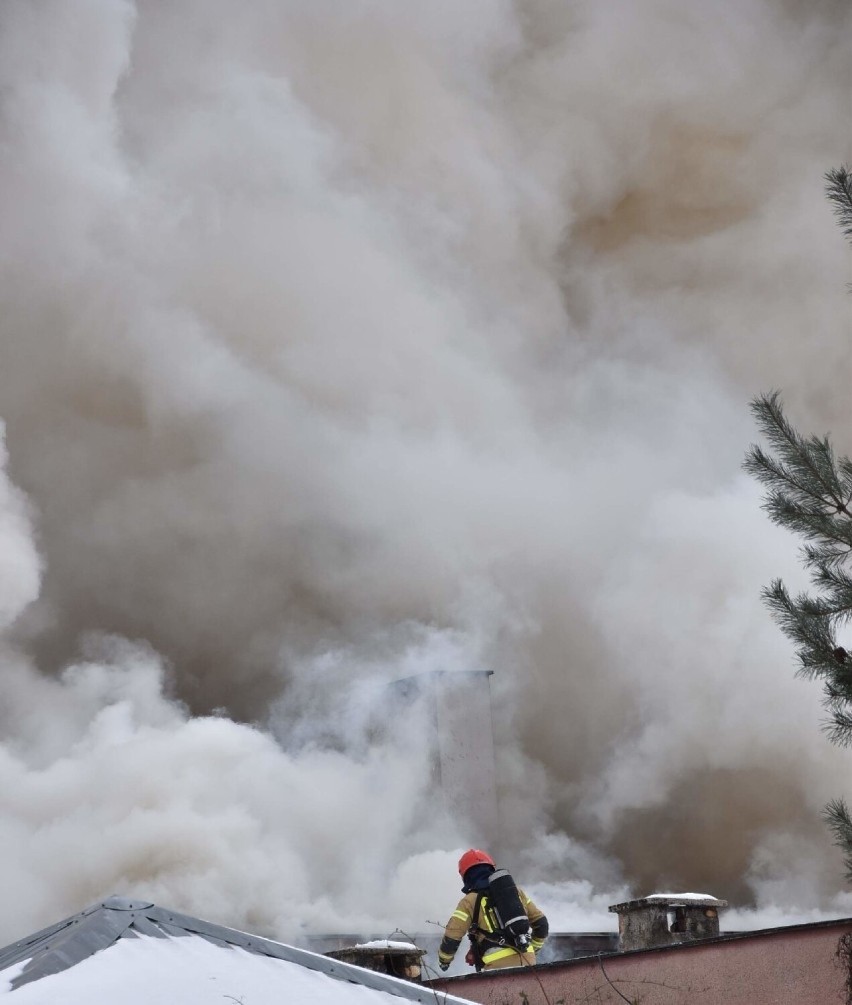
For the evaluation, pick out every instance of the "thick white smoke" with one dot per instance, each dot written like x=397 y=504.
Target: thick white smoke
x=344 y=342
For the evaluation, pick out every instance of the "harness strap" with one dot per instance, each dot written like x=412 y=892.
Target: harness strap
x=473 y=931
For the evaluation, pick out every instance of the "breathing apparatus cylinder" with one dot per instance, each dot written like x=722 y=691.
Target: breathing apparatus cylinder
x=506 y=901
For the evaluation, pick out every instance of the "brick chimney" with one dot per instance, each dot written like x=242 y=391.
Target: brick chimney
x=666 y=919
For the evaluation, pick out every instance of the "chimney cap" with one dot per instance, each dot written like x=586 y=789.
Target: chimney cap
x=670 y=900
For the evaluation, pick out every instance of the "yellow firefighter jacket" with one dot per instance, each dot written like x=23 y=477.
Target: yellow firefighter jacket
x=483 y=931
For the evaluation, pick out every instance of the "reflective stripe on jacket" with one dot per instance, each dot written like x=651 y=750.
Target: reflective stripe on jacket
x=490 y=949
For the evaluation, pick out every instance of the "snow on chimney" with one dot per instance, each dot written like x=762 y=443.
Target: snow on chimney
x=399 y=959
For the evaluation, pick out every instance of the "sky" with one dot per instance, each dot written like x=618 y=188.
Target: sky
x=346 y=342
x=147 y=970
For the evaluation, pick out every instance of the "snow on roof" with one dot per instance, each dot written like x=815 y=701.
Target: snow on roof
x=137 y=953
x=9 y=974
x=191 y=971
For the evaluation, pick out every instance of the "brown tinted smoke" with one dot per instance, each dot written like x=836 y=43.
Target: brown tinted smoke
x=346 y=341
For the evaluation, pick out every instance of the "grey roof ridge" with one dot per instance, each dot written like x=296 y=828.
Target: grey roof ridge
x=100 y=925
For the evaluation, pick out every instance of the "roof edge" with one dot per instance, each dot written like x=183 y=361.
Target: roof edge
x=68 y=942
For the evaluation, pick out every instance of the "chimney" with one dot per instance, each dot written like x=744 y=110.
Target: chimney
x=458 y=704
x=399 y=959
x=666 y=919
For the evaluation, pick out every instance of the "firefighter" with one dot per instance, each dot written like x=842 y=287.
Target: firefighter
x=490 y=948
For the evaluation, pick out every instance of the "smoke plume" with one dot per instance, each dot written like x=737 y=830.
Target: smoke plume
x=343 y=342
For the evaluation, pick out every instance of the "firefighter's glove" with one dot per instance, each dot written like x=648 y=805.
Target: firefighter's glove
x=444 y=964
x=470 y=959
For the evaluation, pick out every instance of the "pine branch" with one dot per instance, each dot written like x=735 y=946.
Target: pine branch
x=838 y=187
x=804 y=622
x=830 y=555
x=805 y=470
x=836 y=815
x=838 y=729
x=834 y=581
x=812 y=523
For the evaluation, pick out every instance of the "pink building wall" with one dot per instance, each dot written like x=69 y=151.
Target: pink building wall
x=797 y=965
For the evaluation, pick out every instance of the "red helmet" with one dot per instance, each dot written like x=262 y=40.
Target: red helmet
x=473 y=856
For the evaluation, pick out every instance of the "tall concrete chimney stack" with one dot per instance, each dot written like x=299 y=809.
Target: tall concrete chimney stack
x=459 y=706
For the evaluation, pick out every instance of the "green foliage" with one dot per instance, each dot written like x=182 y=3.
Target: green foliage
x=838 y=819
x=809 y=491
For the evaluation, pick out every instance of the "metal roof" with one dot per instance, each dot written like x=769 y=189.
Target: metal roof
x=68 y=942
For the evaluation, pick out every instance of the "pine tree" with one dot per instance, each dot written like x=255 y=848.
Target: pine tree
x=810 y=493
